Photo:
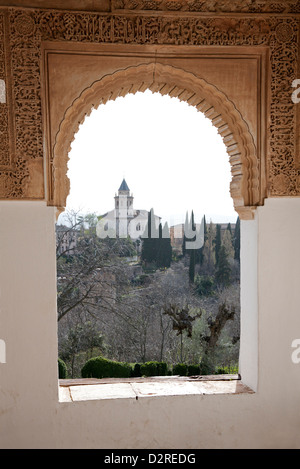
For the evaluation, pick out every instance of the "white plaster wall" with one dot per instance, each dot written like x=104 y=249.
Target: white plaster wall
x=32 y=417
x=248 y=366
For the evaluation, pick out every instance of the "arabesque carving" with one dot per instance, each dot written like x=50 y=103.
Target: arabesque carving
x=23 y=31
x=211 y=6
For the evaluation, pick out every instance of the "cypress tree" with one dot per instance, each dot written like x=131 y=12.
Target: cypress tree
x=150 y=240
x=201 y=250
x=164 y=251
x=156 y=247
x=192 y=266
x=223 y=272
x=218 y=242
x=186 y=228
x=237 y=240
x=192 y=252
x=166 y=240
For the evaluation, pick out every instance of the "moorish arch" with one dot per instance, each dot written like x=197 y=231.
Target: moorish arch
x=176 y=82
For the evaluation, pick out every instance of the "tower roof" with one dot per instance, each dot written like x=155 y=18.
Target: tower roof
x=124 y=186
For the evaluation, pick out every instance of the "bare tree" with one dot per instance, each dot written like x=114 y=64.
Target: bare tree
x=182 y=321
x=87 y=277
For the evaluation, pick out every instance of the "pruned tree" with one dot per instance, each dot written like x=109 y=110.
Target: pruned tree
x=216 y=326
x=182 y=321
x=225 y=313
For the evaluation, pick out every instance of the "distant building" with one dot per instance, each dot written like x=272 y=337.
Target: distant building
x=125 y=220
x=66 y=240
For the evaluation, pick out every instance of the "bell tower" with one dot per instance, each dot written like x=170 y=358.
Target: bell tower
x=123 y=209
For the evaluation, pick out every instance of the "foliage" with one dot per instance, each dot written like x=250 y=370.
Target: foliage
x=208 y=250
x=180 y=369
x=136 y=370
x=62 y=369
x=164 y=248
x=189 y=236
x=223 y=272
x=156 y=244
x=206 y=367
x=217 y=242
x=80 y=337
x=201 y=250
x=227 y=369
x=86 y=272
x=204 y=285
x=237 y=240
x=154 y=368
x=109 y=306
x=100 y=367
x=193 y=370
x=192 y=265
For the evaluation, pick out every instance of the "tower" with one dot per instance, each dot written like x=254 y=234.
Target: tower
x=123 y=209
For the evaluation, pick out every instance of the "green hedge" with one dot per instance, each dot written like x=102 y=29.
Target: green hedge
x=180 y=369
x=136 y=370
x=223 y=370
x=100 y=367
x=62 y=369
x=154 y=368
x=193 y=370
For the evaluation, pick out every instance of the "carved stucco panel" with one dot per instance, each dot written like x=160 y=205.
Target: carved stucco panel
x=28 y=28
x=177 y=83
x=210 y=6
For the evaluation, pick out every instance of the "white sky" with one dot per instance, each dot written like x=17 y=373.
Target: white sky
x=171 y=156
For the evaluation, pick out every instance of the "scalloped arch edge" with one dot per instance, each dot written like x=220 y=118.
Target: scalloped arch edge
x=176 y=82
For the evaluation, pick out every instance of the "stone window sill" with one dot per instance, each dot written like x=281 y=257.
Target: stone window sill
x=138 y=388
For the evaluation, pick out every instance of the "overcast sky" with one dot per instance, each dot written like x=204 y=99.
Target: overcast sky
x=171 y=156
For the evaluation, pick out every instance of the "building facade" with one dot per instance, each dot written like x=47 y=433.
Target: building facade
x=124 y=220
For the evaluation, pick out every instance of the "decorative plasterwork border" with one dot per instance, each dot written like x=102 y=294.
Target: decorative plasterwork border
x=187 y=87
x=209 y=6
x=26 y=30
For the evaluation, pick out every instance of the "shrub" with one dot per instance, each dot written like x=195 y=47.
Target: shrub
x=193 y=370
x=223 y=370
x=162 y=368
x=136 y=370
x=62 y=369
x=148 y=369
x=206 y=368
x=154 y=368
x=204 y=285
x=180 y=369
x=100 y=367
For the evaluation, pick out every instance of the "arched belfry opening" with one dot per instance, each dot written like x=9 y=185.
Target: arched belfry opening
x=176 y=82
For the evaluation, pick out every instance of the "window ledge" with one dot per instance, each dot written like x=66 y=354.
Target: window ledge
x=137 y=388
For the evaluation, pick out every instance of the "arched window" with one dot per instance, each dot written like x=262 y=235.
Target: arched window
x=183 y=174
